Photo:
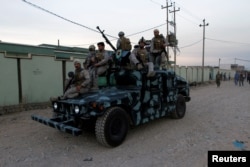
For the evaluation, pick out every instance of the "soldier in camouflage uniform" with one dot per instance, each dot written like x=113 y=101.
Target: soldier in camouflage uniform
x=140 y=57
x=123 y=43
x=89 y=64
x=123 y=53
x=80 y=84
x=157 y=49
x=103 y=58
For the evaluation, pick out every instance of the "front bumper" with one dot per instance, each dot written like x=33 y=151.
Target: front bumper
x=57 y=123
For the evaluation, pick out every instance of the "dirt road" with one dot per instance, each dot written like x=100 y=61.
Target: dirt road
x=216 y=118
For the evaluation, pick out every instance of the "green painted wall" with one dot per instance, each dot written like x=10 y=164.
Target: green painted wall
x=41 y=78
x=42 y=71
x=8 y=81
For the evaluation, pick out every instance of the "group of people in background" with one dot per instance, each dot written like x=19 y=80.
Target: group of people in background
x=239 y=78
x=85 y=77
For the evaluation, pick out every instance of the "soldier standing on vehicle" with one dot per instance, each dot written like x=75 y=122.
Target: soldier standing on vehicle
x=123 y=43
x=123 y=46
x=80 y=84
x=157 y=49
x=89 y=64
x=140 y=57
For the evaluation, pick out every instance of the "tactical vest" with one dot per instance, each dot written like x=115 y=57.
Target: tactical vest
x=78 y=79
x=125 y=44
x=99 y=56
x=158 y=43
x=142 y=55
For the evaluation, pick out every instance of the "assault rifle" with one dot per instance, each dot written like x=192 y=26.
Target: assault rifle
x=106 y=39
x=70 y=81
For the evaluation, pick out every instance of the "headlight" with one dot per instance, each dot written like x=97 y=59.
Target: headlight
x=77 y=109
x=55 y=106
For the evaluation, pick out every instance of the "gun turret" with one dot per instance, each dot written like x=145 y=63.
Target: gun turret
x=106 y=39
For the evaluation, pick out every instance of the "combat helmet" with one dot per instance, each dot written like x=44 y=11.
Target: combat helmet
x=92 y=48
x=142 y=40
x=121 y=33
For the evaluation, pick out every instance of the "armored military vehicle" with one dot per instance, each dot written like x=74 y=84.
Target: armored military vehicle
x=126 y=98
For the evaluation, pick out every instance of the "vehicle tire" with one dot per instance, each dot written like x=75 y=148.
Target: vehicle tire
x=111 y=128
x=180 y=107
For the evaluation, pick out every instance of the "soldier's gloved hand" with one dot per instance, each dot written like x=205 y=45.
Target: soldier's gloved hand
x=139 y=66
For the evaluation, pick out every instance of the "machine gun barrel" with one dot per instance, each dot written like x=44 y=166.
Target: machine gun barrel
x=106 y=39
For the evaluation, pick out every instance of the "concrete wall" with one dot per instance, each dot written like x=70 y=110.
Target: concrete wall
x=42 y=77
x=8 y=81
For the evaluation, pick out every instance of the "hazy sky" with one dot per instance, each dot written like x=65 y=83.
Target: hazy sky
x=227 y=36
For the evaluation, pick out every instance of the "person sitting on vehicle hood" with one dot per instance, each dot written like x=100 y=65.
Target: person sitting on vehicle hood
x=80 y=83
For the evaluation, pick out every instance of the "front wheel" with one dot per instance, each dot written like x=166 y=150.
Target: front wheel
x=180 y=109
x=111 y=128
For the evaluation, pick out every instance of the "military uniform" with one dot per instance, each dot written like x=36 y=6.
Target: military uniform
x=102 y=58
x=82 y=79
x=123 y=47
x=102 y=61
x=218 y=78
x=141 y=56
x=123 y=43
x=90 y=62
x=157 y=51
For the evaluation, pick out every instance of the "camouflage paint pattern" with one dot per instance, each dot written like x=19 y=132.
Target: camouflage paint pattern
x=143 y=98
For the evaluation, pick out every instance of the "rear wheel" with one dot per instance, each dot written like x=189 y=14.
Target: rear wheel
x=111 y=128
x=180 y=107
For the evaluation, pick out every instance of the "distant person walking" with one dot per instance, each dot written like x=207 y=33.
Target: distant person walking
x=218 y=79
x=241 y=79
x=248 y=77
x=236 y=78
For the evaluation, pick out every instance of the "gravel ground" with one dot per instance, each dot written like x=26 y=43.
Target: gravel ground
x=215 y=119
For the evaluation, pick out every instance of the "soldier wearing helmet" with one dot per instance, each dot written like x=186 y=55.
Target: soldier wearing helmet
x=123 y=43
x=80 y=84
x=157 y=49
x=89 y=64
x=140 y=57
x=123 y=46
x=90 y=60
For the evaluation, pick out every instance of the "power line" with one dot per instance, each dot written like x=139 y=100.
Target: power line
x=188 y=12
x=155 y=2
x=78 y=24
x=191 y=44
x=223 y=41
x=68 y=20
x=242 y=60
x=195 y=23
x=146 y=30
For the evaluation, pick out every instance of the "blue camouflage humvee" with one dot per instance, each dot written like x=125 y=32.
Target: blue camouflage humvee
x=126 y=98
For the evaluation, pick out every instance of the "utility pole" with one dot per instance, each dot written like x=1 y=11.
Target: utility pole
x=203 y=49
x=174 y=11
x=166 y=7
x=219 y=63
